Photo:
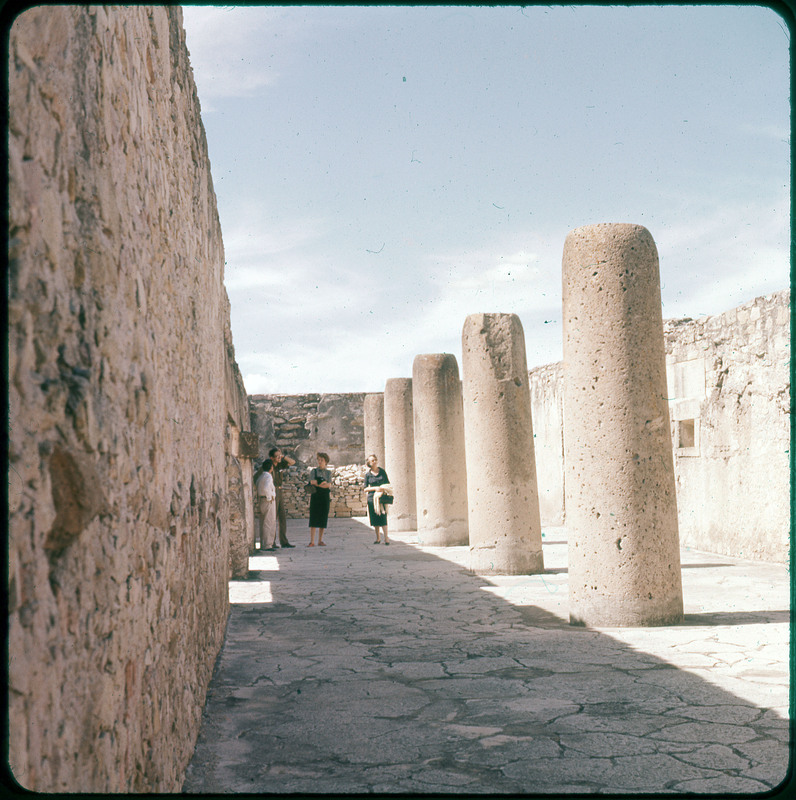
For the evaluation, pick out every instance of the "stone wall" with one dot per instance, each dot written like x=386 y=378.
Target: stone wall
x=124 y=402
x=547 y=415
x=348 y=495
x=729 y=402
x=302 y=425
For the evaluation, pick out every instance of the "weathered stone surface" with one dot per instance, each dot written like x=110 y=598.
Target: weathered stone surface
x=624 y=563
x=374 y=425
x=440 y=470
x=443 y=686
x=547 y=413
x=399 y=452
x=122 y=383
x=505 y=530
x=302 y=425
x=728 y=388
x=729 y=399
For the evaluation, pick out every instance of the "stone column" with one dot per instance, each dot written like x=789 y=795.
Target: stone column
x=505 y=531
x=399 y=453
x=621 y=512
x=374 y=425
x=441 y=475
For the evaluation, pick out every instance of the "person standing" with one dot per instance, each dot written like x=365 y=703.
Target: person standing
x=280 y=462
x=320 y=499
x=266 y=496
x=375 y=477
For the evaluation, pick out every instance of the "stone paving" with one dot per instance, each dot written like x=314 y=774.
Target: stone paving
x=360 y=668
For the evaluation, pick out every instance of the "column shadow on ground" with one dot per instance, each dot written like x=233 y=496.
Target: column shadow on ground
x=391 y=670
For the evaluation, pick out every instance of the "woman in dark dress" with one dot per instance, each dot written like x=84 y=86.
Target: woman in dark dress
x=375 y=476
x=320 y=500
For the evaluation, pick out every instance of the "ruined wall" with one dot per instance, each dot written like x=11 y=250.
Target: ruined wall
x=302 y=425
x=348 y=495
x=547 y=414
x=120 y=399
x=729 y=404
x=729 y=398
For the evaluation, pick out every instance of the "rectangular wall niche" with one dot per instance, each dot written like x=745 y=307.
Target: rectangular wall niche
x=685 y=433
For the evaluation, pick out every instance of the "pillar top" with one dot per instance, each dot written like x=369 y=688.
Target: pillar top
x=601 y=230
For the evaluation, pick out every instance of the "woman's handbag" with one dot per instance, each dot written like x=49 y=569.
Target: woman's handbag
x=386 y=499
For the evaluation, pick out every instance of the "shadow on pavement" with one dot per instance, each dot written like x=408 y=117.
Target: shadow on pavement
x=391 y=670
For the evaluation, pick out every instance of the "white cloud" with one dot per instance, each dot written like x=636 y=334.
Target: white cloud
x=226 y=49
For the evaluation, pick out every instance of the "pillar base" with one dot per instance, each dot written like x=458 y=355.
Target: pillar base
x=401 y=524
x=453 y=535
x=608 y=612
x=492 y=561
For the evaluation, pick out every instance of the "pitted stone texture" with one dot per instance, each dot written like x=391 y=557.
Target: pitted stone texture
x=122 y=382
x=624 y=564
x=505 y=531
x=374 y=425
x=399 y=455
x=440 y=471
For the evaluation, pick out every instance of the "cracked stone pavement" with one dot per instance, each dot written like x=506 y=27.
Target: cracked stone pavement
x=362 y=668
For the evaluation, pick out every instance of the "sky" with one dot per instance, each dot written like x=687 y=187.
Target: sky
x=384 y=171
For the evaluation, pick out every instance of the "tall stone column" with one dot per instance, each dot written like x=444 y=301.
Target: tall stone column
x=505 y=531
x=441 y=474
x=374 y=425
x=621 y=511
x=399 y=452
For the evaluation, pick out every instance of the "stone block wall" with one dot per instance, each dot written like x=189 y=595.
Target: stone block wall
x=124 y=401
x=348 y=495
x=302 y=425
x=728 y=381
x=306 y=424
x=729 y=401
x=547 y=414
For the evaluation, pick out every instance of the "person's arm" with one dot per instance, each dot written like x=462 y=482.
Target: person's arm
x=326 y=484
x=288 y=460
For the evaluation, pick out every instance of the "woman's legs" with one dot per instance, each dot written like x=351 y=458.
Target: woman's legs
x=321 y=543
x=378 y=531
x=386 y=540
x=312 y=538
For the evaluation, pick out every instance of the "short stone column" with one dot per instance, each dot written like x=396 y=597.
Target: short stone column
x=441 y=474
x=399 y=453
x=621 y=511
x=505 y=531
x=374 y=425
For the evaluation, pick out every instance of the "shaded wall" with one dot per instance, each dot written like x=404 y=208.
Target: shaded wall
x=123 y=402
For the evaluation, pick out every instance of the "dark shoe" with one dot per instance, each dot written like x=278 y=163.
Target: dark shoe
x=378 y=541
x=288 y=545
x=386 y=543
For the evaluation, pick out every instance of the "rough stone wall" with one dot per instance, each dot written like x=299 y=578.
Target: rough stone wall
x=120 y=396
x=729 y=399
x=729 y=404
x=547 y=414
x=348 y=494
x=302 y=425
